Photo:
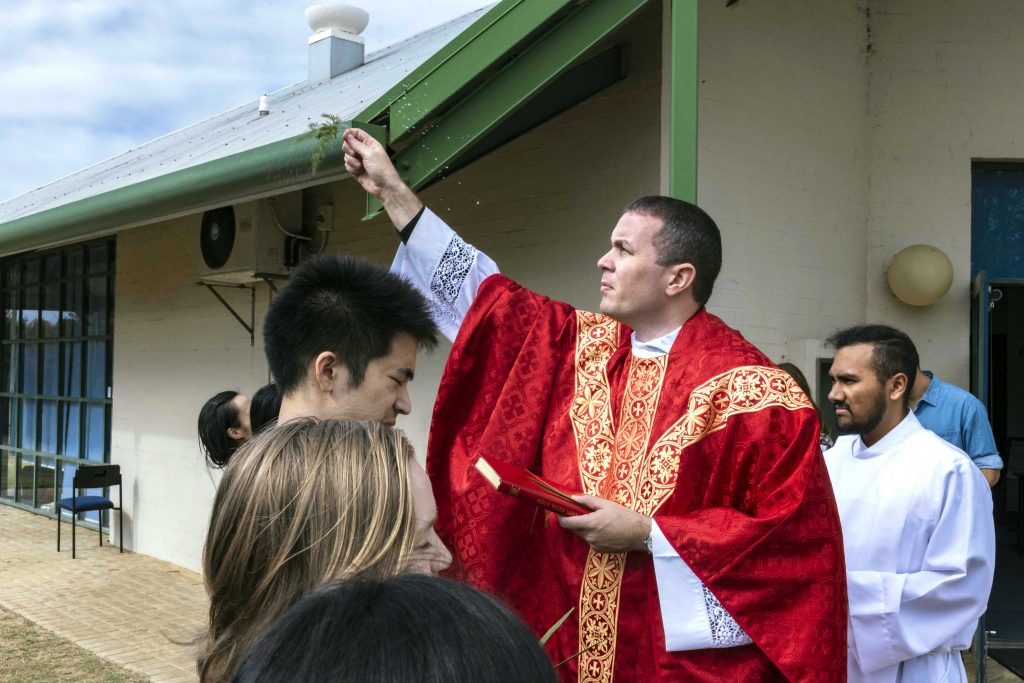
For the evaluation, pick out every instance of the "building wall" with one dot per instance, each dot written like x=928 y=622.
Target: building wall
x=946 y=88
x=174 y=347
x=783 y=168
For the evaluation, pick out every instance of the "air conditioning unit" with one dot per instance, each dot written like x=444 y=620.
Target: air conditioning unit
x=247 y=241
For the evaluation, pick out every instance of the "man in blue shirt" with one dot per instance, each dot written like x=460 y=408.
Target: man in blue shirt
x=959 y=418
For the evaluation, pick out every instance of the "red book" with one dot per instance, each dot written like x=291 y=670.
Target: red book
x=515 y=481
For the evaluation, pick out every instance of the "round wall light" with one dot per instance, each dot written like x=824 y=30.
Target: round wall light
x=920 y=275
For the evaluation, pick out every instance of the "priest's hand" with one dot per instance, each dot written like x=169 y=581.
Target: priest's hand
x=610 y=528
x=367 y=161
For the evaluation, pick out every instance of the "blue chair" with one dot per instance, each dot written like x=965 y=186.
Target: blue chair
x=92 y=477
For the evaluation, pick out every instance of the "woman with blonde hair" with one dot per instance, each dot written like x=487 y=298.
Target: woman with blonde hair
x=305 y=503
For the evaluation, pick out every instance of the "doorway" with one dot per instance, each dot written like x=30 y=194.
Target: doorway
x=1006 y=410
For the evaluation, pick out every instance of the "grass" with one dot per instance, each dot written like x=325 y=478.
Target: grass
x=32 y=654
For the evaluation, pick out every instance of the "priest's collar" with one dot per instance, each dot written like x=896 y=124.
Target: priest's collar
x=893 y=439
x=654 y=347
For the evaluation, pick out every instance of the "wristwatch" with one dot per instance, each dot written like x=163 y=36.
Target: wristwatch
x=650 y=542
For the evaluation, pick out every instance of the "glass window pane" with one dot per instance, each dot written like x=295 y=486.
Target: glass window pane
x=97 y=306
x=9 y=372
x=8 y=474
x=51 y=369
x=31 y=271
x=73 y=259
x=72 y=369
x=73 y=308
x=50 y=317
x=26 y=470
x=71 y=434
x=67 y=479
x=48 y=426
x=46 y=479
x=98 y=256
x=95 y=438
x=30 y=312
x=30 y=369
x=13 y=277
x=12 y=314
x=96 y=369
x=9 y=421
x=52 y=267
x=28 y=424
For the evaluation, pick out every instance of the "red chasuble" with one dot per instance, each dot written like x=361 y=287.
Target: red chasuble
x=713 y=441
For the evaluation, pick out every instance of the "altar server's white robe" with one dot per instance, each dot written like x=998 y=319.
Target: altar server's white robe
x=920 y=551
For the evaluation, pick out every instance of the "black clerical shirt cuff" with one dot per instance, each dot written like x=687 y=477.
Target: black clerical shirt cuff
x=406 y=232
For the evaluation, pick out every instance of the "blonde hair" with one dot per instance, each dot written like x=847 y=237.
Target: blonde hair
x=299 y=505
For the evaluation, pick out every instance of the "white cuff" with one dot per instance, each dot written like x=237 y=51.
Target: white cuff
x=692 y=617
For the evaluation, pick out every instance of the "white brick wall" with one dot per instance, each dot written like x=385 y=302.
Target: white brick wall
x=946 y=87
x=782 y=166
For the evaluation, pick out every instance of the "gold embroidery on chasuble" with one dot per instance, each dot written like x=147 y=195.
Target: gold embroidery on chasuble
x=616 y=463
x=613 y=464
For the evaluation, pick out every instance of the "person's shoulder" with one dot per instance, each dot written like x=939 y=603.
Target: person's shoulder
x=950 y=393
x=725 y=346
x=935 y=452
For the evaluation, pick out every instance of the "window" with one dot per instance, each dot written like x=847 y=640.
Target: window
x=56 y=352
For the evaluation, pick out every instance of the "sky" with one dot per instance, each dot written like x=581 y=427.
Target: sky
x=84 y=80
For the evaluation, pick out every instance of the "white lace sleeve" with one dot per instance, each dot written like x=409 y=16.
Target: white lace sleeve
x=693 y=617
x=446 y=269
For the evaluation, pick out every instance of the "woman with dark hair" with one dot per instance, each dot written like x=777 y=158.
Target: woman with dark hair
x=827 y=439
x=265 y=405
x=224 y=426
x=407 y=629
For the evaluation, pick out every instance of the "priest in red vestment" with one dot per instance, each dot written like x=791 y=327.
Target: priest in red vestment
x=714 y=551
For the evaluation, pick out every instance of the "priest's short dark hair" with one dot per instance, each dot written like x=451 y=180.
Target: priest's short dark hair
x=687 y=235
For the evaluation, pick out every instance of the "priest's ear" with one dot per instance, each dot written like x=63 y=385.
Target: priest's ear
x=681 y=277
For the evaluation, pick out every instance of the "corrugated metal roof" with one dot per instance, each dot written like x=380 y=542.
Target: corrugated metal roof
x=242 y=129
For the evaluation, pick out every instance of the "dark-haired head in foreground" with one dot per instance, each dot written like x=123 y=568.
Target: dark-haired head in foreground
x=407 y=629
x=341 y=340
x=264 y=407
x=223 y=426
x=872 y=376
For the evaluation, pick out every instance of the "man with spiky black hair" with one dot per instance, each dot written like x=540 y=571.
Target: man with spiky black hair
x=341 y=340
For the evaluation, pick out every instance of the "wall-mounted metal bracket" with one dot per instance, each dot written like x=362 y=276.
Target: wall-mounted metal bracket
x=249 y=326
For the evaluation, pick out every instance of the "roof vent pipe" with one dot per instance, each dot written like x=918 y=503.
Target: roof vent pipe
x=335 y=46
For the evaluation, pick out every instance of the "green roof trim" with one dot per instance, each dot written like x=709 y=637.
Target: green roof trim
x=522 y=77
x=269 y=169
x=683 y=83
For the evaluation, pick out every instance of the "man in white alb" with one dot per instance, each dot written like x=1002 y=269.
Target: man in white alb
x=916 y=515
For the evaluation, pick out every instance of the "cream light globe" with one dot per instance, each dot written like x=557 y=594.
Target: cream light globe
x=920 y=275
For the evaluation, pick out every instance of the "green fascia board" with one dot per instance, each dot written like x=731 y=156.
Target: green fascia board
x=683 y=80
x=278 y=166
x=484 y=45
x=522 y=79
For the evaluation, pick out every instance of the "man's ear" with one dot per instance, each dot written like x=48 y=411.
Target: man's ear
x=682 y=277
x=898 y=386
x=325 y=371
